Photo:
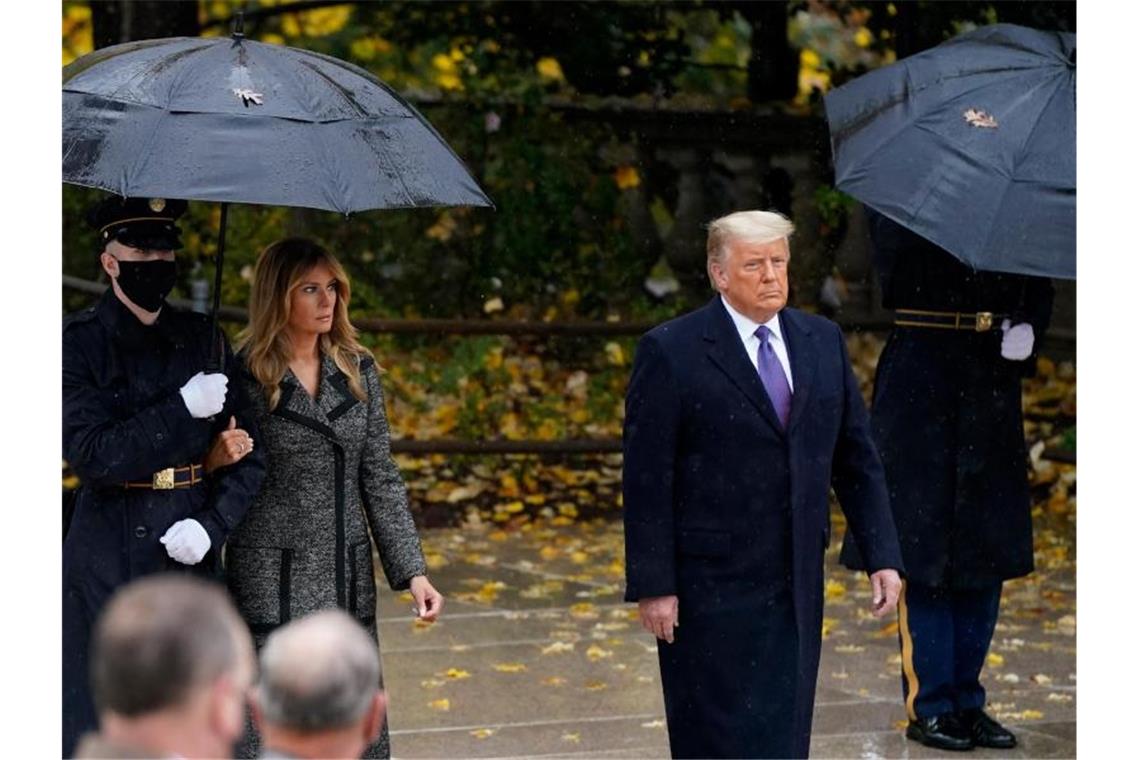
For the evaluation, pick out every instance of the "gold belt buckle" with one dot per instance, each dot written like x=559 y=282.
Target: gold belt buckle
x=163 y=480
x=984 y=321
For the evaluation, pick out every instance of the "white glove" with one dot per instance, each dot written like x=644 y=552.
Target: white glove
x=1017 y=341
x=186 y=541
x=205 y=395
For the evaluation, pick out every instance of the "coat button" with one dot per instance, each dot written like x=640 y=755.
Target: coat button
x=140 y=531
x=158 y=436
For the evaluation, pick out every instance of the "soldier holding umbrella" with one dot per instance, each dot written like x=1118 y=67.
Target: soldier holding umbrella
x=965 y=157
x=139 y=415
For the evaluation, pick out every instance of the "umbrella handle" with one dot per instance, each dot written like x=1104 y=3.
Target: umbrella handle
x=217 y=352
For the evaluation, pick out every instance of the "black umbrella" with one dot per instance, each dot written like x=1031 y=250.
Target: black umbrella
x=971 y=144
x=234 y=120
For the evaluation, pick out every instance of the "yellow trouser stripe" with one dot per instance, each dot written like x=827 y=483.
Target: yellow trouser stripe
x=907 y=656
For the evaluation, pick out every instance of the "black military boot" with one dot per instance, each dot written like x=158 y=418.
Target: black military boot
x=985 y=731
x=941 y=732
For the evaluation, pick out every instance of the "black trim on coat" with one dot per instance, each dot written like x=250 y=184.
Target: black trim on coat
x=338 y=454
x=286 y=586
x=338 y=478
x=340 y=381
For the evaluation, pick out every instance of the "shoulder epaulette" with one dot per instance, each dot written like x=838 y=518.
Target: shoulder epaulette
x=78 y=317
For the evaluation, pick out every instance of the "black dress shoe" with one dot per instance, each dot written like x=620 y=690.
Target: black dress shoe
x=985 y=731
x=941 y=732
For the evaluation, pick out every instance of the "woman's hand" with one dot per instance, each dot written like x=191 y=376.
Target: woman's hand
x=231 y=445
x=428 y=601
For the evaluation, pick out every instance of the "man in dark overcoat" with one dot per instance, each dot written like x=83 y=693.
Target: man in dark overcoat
x=139 y=414
x=739 y=418
x=946 y=416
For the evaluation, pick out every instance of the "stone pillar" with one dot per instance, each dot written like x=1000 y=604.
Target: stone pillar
x=685 y=244
x=745 y=170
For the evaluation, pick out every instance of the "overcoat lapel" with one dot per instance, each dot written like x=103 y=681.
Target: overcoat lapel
x=802 y=356
x=727 y=352
x=333 y=399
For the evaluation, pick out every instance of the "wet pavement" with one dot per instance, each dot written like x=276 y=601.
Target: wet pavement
x=537 y=656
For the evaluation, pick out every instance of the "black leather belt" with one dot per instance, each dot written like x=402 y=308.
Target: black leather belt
x=171 y=478
x=980 y=321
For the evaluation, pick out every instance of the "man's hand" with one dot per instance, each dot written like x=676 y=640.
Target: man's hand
x=885 y=588
x=428 y=601
x=230 y=446
x=186 y=541
x=1017 y=340
x=659 y=615
x=204 y=395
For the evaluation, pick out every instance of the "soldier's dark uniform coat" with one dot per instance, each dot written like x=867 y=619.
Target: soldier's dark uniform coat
x=331 y=481
x=123 y=420
x=946 y=416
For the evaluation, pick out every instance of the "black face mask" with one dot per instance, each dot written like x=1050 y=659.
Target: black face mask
x=146 y=283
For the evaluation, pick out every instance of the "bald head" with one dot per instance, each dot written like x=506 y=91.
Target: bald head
x=318 y=673
x=159 y=639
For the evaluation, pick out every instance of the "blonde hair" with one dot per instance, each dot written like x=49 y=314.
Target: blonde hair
x=280 y=269
x=749 y=226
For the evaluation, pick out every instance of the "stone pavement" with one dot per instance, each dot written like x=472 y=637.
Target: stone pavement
x=537 y=656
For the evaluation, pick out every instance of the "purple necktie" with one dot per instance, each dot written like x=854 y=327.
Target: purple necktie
x=773 y=377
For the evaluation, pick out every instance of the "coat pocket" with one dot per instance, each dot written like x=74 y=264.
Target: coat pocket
x=361 y=582
x=704 y=543
x=260 y=581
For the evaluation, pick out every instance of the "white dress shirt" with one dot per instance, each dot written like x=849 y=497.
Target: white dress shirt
x=747 y=329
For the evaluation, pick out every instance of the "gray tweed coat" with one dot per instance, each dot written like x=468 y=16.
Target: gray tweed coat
x=330 y=481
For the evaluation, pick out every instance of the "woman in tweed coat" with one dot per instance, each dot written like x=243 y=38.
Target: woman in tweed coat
x=304 y=544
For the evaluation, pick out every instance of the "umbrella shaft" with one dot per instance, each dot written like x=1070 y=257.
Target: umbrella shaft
x=216 y=351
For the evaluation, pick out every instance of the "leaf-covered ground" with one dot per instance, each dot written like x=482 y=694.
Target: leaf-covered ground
x=537 y=654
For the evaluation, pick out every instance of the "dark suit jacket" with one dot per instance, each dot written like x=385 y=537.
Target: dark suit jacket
x=727 y=510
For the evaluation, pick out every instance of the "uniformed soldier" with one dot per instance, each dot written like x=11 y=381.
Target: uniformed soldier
x=946 y=417
x=139 y=414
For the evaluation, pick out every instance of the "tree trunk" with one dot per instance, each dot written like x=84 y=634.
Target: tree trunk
x=774 y=67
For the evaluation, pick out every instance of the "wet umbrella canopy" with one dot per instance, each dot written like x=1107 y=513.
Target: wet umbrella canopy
x=233 y=120
x=971 y=144
x=237 y=121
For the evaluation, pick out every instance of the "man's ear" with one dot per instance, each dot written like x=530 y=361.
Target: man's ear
x=227 y=708
x=110 y=264
x=716 y=273
x=254 y=709
x=374 y=717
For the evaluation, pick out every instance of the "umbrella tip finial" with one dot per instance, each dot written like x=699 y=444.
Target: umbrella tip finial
x=239 y=25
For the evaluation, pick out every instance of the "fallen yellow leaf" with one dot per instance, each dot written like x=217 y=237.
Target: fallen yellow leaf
x=834 y=589
x=558 y=647
x=509 y=667
x=457 y=674
x=440 y=704
x=849 y=648
x=595 y=653
x=584 y=611
x=483 y=733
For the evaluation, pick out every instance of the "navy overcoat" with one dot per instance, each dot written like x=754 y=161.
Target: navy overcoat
x=728 y=511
